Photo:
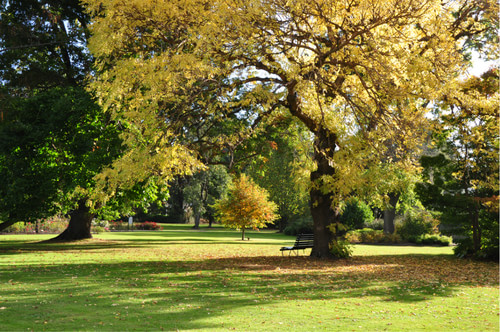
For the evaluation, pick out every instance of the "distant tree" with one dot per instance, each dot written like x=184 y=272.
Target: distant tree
x=461 y=177
x=246 y=206
x=389 y=186
x=203 y=189
x=284 y=171
x=355 y=213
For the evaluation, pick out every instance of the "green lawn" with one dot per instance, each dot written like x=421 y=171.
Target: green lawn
x=182 y=279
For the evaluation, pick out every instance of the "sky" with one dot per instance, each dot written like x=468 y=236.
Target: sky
x=480 y=66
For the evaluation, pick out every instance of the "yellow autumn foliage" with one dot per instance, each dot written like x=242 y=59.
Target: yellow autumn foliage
x=361 y=71
x=246 y=206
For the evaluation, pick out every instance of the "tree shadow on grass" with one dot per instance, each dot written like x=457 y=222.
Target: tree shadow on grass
x=181 y=294
x=16 y=247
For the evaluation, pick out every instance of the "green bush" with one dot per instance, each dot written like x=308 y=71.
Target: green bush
x=416 y=224
x=371 y=236
x=377 y=224
x=341 y=248
x=98 y=229
x=100 y=223
x=48 y=226
x=301 y=225
x=489 y=247
x=56 y=226
x=434 y=239
x=391 y=238
x=119 y=225
x=18 y=227
x=464 y=247
x=355 y=214
x=368 y=235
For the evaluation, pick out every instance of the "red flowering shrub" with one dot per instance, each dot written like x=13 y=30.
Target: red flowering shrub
x=148 y=226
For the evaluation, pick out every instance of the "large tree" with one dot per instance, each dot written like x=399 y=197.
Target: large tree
x=354 y=72
x=50 y=127
x=55 y=139
x=53 y=143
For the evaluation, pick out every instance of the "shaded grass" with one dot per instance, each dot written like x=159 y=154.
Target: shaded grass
x=209 y=280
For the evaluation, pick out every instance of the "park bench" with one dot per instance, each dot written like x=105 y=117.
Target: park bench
x=303 y=242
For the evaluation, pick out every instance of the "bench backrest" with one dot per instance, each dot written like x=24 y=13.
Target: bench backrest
x=304 y=241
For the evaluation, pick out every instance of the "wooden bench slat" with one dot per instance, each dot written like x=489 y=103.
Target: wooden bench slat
x=303 y=241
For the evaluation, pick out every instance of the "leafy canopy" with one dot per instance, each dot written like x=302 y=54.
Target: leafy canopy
x=358 y=70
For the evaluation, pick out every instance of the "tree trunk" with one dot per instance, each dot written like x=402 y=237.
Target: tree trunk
x=390 y=213
x=283 y=221
x=322 y=211
x=476 y=231
x=79 y=224
x=243 y=234
x=321 y=198
x=8 y=223
x=197 y=217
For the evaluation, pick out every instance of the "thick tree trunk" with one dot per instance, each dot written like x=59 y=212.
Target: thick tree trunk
x=79 y=224
x=8 y=223
x=321 y=199
x=390 y=213
x=243 y=234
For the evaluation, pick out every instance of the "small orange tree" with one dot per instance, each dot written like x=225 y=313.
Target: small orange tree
x=246 y=206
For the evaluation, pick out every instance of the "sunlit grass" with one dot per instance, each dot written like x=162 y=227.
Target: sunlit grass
x=188 y=279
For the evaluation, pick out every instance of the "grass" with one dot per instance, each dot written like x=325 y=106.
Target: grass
x=182 y=279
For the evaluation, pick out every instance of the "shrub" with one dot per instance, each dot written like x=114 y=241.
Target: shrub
x=100 y=223
x=341 y=248
x=118 y=225
x=488 y=250
x=368 y=235
x=392 y=238
x=464 y=248
x=416 y=224
x=98 y=229
x=148 y=226
x=434 y=239
x=18 y=227
x=377 y=224
x=301 y=225
x=54 y=226
x=355 y=214
x=49 y=226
